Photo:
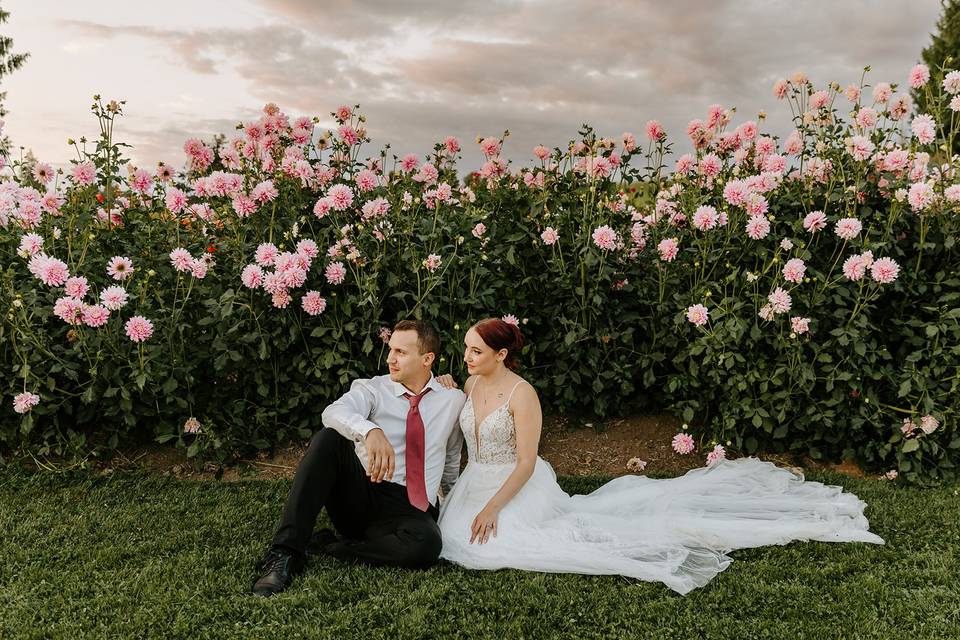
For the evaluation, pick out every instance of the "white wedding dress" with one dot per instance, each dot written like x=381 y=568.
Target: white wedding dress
x=676 y=531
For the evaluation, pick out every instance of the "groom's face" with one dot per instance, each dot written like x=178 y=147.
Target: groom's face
x=405 y=361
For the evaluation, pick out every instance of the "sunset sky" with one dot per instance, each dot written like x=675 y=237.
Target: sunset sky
x=425 y=70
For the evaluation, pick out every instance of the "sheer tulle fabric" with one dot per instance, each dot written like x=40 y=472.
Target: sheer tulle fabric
x=677 y=531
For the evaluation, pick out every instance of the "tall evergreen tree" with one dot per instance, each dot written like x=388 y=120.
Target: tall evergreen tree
x=942 y=54
x=9 y=62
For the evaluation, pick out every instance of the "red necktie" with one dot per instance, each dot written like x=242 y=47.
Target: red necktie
x=416 y=487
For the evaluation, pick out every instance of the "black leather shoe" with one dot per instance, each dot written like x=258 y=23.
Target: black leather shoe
x=277 y=571
x=320 y=540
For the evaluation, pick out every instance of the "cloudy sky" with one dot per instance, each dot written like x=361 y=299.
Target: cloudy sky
x=422 y=70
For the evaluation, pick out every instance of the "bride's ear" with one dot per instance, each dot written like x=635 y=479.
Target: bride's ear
x=502 y=354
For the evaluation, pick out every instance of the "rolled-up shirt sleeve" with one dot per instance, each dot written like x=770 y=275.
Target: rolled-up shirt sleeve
x=350 y=414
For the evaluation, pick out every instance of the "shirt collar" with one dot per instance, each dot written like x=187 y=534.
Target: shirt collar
x=399 y=389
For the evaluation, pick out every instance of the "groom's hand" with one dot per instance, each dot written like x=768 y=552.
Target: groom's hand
x=380 y=456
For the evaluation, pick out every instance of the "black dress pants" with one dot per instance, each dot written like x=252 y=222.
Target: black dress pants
x=377 y=522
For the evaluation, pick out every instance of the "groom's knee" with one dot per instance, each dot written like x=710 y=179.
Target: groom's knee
x=420 y=544
x=327 y=443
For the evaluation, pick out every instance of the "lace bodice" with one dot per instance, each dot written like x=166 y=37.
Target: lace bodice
x=494 y=440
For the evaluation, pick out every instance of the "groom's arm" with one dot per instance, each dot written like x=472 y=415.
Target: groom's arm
x=451 y=469
x=349 y=414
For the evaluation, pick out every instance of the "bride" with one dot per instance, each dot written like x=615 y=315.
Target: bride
x=507 y=510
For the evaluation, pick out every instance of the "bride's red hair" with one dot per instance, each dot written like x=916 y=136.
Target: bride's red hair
x=498 y=335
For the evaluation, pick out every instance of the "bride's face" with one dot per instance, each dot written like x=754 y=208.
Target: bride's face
x=480 y=358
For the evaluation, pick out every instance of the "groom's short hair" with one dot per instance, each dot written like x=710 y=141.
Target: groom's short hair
x=428 y=341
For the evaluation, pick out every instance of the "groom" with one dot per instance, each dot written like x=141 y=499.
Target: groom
x=376 y=467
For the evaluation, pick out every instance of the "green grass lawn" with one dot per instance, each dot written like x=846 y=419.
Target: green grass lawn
x=145 y=556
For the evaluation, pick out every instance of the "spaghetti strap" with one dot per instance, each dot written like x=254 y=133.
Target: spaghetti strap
x=510 y=397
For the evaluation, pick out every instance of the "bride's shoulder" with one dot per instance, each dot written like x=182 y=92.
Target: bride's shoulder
x=523 y=391
x=468 y=384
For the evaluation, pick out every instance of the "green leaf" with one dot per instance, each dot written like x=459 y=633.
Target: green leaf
x=911 y=445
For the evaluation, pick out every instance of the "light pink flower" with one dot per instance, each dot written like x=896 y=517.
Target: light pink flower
x=138 y=328
x=780 y=88
x=322 y=207
x=341 y=196
x=815 y=221
x=511 y=319
x=68 y=309
x=113 y=298
x=84 y=173
x=451 y=144
x=175 y=200
x=705 y=218
x=335 y=272
x=885 y=270
x=385 y=333
x=799 y=325
x=891 y=475
x=852 y=93
x=793 y=144
x=818 y=99
x=636 y=465
x=848 y=228
x=920 y=196
x=51 y=272
x=264 y=192
x=860 y=147
x=924 y=128
x=715 y=456
x=366 y=180
x=95 y=315
x=479 y=230
x=198 y=268
x=698 y=315
x=120 y=268
x=541 y=152
x=757 y=227
x=954 y=105
x=308 y=248
x=605 y=238
x=854 y=267
x=76 y=287
x=432 y=263
x=490 y=147
x=427 y=174
x=24 y=402
x=313 y=303
x=780 y=301
x=684 y=163
x=181 y=259
x=919 y=76
x=280 y=298
x=42 y=172
x=794 y=270
x=683 y=443
x=929 y=424
x=30 y=244
x=952 y=193
x=655 y=130
x=668 y=249
x=951 y=83
x=882 y=92
x=244 y=206
x=709 y=165
x=191 y=426
x=735 y=192
x=266 y=254
x=141 y=181
x=252 y=276
x=866 y=118
x=409 y=162
x=907 y=427
x=549 y=236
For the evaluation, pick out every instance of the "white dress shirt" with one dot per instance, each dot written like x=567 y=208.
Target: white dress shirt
x=373 y=403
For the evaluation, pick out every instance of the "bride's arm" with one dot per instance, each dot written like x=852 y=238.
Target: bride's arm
x=528 y=418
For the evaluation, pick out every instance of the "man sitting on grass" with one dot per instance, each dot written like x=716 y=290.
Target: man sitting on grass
x=387 y=445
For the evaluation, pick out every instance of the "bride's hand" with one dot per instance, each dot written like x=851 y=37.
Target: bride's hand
x=447 y=382
x=483 y=525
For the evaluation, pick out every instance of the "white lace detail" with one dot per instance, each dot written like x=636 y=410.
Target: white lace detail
x=497 y=434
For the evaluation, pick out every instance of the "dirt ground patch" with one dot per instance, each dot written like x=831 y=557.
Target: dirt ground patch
x=579 y=452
